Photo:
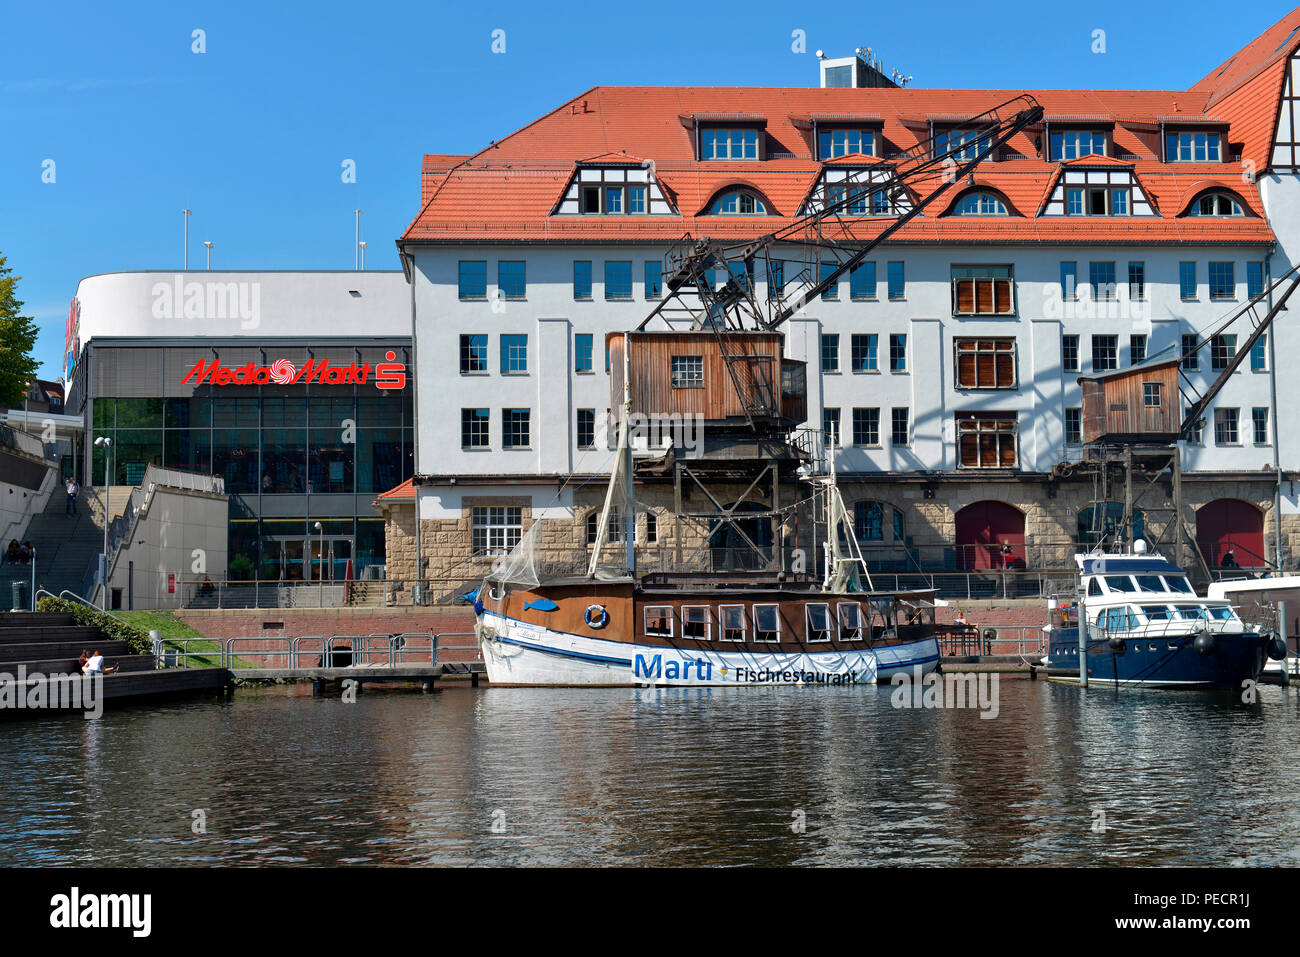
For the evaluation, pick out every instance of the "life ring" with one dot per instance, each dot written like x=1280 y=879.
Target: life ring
x=596 y=616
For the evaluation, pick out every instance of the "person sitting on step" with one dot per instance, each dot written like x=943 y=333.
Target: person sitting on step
x=95 y=665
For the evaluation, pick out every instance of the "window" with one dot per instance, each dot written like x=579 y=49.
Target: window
x=581 y=279
x=1223 y=349
x=830 y=352
x=1225 y=427
x=862 y=281
x=473 y=279
x=473 y=354
x=1070 y=353
x=732 y=622
x=582 y=352
x=636 y=199
x=1191 y=355
x=980 y=204
x=961 y=145
x=985 y=363
x=586 y=428
x=850 y=616
x=1192 y=147
x=738 y=202
x=1259 y=354
x=983 y=291
x=897 y=352
x=613 y=199
x=897 y=286
x=724 y=143
x=1074 y=426
x=1097 y=200
x=1222 y=282
x=514 y=354
x=862 y=350
x=651 y=528
x=618 y=279
x=697 y=623
x=827 y=269
x=591 y=199
x=767 y=622
x=613 y=534
x=658 y=618
x=1101 y=275
x=901 y=431
x=831 y=426
x=1105 y=353
x=653 y=279
x=474 y=428
x=842 y=142
x=688 y=372
x=866 y=427
x=1074 y=202
x=510 y=278
x=1254 y=280
x=1187 y=279
x=775 y=277
x=1259 y=419
x=1137 y=348
x=1069 y=281
x=818 y=614
x=1137 y=281
x=1216 y=204
x=986 y=441
x=868 y=521
x=1071 y=144
x=515 y=428
x=1152 y=395
x=495 y=529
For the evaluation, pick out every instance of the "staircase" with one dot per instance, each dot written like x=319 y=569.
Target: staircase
x=65 y=544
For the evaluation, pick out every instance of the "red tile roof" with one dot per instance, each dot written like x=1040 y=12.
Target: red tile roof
x=402 y=493
x=509 y=191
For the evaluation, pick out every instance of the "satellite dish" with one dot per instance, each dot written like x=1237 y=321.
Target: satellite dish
x=1140 y=547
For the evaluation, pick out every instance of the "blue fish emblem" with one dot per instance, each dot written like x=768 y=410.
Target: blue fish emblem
x=542 y=604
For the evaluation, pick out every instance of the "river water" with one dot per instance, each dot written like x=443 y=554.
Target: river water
x=659 y=777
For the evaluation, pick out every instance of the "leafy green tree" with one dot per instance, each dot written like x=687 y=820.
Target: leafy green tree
x=17 y=340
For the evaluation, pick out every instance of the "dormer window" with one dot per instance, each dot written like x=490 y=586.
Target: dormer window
x=728 y=143
x=613 y=200
x=1192 y=147
x=1097 y=201
x=965 y=144
x=738 y=202
x=1071 y=144
x=980 y=204
x=621 y=190
x=1218 y=203
x=861 y=202
x=833 y=143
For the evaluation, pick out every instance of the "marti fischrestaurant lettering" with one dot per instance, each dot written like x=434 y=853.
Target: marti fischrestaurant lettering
x=385 y=375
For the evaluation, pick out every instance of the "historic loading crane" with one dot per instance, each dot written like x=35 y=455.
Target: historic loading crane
x=755 y=447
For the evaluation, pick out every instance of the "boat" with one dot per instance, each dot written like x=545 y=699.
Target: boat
x=705 y=626
x=1144 y=626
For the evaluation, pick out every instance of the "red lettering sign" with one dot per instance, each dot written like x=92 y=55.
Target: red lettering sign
x=387 y=375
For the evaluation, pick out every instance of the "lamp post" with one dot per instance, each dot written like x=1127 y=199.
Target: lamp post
x=357 y=248
x=362 y=244
x=320 y=533
x=105 y=443
x=208 y=243
x=186 y=212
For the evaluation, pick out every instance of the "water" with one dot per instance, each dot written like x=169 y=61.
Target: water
x=676 y=776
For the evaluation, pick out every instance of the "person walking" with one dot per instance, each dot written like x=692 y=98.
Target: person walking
x=73 y=489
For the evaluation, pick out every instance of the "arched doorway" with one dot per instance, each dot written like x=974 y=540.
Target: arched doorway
x=1230 y=527
x=1103 y=521
x=731 y=552
x=990 y=535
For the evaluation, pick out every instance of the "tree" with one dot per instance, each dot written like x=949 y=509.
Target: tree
x=17 y=340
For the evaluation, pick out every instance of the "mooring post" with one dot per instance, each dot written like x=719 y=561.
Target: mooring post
x=317 y=688
x=473 y=679
x=1281 y=630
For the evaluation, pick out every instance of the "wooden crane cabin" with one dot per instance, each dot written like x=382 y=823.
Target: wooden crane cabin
x=1139 y=404
x=693 y=373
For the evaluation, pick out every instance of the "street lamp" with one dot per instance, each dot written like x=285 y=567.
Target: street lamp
x=186 y=213
x=357 y=258
x=105 y=443
x=362 y=244
x=208 y=243
x=321 y=557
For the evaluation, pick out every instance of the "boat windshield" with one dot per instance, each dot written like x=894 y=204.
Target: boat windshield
x=1119 y=583
x=1178 y=583
x=1152 y=583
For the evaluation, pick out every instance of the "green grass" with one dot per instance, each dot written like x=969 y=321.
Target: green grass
x=172 y=628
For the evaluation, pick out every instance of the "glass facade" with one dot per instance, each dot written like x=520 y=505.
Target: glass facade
x=290 y=455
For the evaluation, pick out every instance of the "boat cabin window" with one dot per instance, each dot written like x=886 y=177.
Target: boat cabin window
x=1178 y=583
x=696 y=622
x=1153 y=583
x=767 y=622
x=1220 y=613
x=732 y=621
x=1117 y=619
x=659 y=621
x=850 y=621
x=1191 y=612
x=1094 y=587
x=1119 y=583
x=881 y=621
x=1156 y=612
x=819 y=621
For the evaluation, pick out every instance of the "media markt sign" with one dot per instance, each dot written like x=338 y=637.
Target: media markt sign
x=385 y=375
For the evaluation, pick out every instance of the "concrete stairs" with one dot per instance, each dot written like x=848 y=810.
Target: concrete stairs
x=65 y=544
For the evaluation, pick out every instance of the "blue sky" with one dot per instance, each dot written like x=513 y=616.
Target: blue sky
x=251 y=134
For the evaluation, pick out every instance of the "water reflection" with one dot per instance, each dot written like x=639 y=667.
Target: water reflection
x=658 y=776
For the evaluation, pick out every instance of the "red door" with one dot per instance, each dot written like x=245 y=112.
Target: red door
x=1231 y=526
x=990 y=535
